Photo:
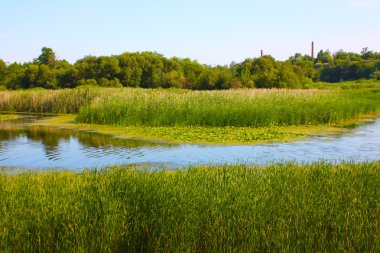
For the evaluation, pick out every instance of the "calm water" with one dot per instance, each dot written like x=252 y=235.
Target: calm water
x=45 y=147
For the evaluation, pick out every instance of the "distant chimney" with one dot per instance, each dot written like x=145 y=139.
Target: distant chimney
x=262 y=53
x=312 y=50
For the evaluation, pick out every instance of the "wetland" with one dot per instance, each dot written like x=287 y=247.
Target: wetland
x=27 y=142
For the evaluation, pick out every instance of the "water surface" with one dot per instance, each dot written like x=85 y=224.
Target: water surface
x=48 y=147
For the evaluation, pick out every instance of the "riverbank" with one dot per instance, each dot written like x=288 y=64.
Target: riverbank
x=286 y=207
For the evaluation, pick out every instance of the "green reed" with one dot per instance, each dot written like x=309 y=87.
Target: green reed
x=251 y=107
x=254 y=108
x=48 y=101
x=277 y=208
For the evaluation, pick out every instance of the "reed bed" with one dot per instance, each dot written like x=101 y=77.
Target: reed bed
x=253 y=108
x=48 y=101
x=250 y=107
x=277 y=208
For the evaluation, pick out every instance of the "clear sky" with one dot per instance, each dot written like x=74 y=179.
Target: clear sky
x=210 y=31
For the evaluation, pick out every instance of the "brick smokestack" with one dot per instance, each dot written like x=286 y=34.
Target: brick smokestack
x=312 y=50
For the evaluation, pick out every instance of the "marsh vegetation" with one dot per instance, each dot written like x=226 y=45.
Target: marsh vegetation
x=283 y=207
x=286 y=207
x=254 y=108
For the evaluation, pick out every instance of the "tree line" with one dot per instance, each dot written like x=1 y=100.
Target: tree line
x=153 y=70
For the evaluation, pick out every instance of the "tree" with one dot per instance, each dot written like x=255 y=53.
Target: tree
x=14 y=77
x=130 y=71
x=104 y=82
x=324 y=57
x=208 y=79
x=107 y=67
x=30 y=76
x=175 y=79
x=376 y=75
x=46 y=77
x=67 y=77
x=87 y=82
x=47 y=57
x=265 y=72
x=152 y=65
x=225 y=78
x=341 y=57
x=86 y=67
x=287 y=78
x=303 y=66
x=3 y=73
x=245 y=73
x=192 y=71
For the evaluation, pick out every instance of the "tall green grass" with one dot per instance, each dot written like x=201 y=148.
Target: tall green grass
x=255 y=108
x=278 y=208
x=48 y=101
x=138 y=107
x=347 y=85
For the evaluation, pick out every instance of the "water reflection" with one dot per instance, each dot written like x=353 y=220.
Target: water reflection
x=54 y=140
x=46 y=147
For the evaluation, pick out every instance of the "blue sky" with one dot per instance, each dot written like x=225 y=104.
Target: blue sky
x=210 y=31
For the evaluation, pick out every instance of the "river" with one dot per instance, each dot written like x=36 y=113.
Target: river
x=25 y=146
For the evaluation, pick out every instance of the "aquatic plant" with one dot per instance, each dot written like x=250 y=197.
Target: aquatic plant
x=286 y=207
x=248 y=107
x=48 y=101
x=254 y=108
x=8 y=116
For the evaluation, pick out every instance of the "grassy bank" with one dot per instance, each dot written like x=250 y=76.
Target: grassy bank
x=316 y=208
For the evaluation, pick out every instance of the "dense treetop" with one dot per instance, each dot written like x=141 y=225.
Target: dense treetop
x=152 y=70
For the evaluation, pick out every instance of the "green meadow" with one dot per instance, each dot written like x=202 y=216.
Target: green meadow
x=276 y=208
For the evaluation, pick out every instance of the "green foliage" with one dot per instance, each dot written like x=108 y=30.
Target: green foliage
x=324 y=57
x=286 y=207
x=47 y=57
x=287 y=77
x=348 y=71
x=104 y=82
x=303 y=66
x=46 y=77
x=376 y=75
x=152 y=70
x=14 y=76
x=3 y=73
x=175 y=79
